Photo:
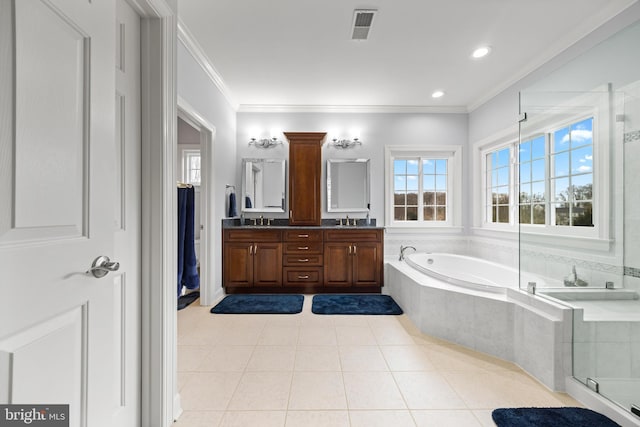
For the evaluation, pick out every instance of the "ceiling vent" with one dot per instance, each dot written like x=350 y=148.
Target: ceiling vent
x=362 y=20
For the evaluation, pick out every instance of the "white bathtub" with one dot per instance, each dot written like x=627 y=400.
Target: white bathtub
x=469 y=272
x=477 y=304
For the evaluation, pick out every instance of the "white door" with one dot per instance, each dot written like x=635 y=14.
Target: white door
x=57 y=174
x=126 y=283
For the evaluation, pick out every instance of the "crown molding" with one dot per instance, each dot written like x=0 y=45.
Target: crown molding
x=194 y=48
x=386 y=109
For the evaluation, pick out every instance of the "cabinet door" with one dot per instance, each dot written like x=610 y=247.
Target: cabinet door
x=267 y=264
x=366 y=264
x=337 y=264
x=238 y=264
x=305 y=172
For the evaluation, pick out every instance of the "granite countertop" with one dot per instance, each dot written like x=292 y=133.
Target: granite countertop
x=284 y=224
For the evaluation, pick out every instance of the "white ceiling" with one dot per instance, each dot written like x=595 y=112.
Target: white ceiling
x=273 y=53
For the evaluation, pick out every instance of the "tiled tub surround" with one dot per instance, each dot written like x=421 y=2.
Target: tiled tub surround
x=532 y=332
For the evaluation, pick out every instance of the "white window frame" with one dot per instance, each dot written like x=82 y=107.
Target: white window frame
x=600 y=197
x=184 y=152
x=484 y=151
x=453 y=155
x=596 y=237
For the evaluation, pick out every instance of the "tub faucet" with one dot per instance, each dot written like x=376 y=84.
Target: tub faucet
x=573 y=279
x=402 y=249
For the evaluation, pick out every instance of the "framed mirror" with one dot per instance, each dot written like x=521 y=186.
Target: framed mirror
x=263 y=185
x=348 y=185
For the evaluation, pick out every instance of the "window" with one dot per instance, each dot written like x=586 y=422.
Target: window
x=420 y=189
x=423 y=186
x=555 y=177
x=498 y=185
x=532 y=173
x=191 y=166
x=572 y=175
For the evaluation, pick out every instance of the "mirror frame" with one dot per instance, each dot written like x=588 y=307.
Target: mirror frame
x=329 y=184
x=241 y=197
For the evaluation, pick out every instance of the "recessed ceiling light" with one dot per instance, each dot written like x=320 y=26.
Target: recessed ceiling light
x=481 y=52
x=437 y=94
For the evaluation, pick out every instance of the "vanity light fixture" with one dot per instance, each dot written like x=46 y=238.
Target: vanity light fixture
x=265 y=142
x=345 y=143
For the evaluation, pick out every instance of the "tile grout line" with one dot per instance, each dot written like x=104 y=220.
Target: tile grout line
x=244 y=371
x=404 y=399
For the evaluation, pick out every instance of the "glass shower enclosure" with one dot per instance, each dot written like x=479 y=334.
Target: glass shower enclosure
x=578 y=209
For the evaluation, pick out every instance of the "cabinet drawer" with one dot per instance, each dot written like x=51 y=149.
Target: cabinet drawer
x=303 y=235
x=252 y=235
x=303 y=259
x=296 y=276
x=303 y=248
x=353 y=235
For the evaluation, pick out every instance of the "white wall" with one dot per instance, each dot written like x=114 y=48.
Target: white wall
x=187 y=134
x=375 y=131
x=197 y=89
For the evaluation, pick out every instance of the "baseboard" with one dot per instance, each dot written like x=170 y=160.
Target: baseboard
x=177 y=407
x=217 y=296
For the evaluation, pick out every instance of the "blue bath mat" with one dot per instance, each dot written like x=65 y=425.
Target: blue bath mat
x=354 y=304
x=550 y=417
x=259 y=304
x=185 y=300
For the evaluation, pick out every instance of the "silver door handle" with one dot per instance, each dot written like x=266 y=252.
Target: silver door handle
x=102 y=266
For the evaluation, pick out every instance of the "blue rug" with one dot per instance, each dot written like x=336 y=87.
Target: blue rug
x=185 y=300
x=550 y=417
x=259 y=304
x=355 y=304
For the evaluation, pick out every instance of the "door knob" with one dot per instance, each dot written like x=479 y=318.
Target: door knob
x=102 y=266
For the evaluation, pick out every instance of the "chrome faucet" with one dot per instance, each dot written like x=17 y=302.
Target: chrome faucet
x=402 y=249
x=573 y=279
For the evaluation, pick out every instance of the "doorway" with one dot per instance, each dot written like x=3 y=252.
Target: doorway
x=194 y=163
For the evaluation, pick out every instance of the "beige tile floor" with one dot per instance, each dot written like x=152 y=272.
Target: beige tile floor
x=331 y=371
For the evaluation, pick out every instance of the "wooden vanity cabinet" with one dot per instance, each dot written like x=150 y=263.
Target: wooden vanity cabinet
x=353 y=259
x=305 y=175
x=303 y=259
x=306 y=260
x=252 y=259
